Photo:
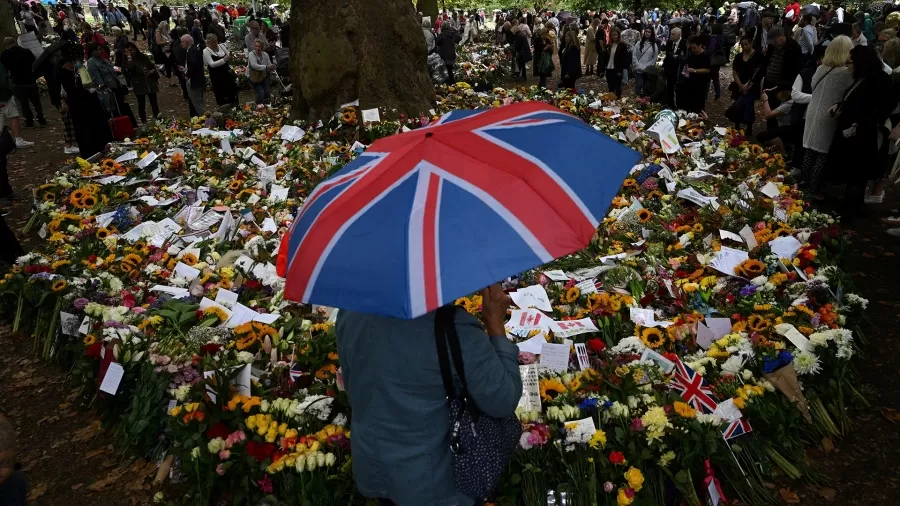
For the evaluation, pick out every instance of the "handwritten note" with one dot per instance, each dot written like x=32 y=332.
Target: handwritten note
x=112 y=379
x=532 y=296
x=186 y=271
x=147 y=160
x=587 y=286
x=569 y=328
x=555 y=357
x=371 y=116
x=531 y=395
x=727 y=259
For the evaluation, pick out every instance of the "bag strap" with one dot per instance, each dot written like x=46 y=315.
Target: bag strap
x=442 y=320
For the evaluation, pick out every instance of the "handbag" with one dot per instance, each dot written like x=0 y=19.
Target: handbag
x=257 y=76
x=481 y=445
x=545 y=64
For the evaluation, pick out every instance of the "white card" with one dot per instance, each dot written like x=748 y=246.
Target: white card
x=147 y=160
x=268 y=225
x=555 y=357
x=714 y=496
x=569 y=328
x=793 y=335
x=224 y=296
x=186 y=271
x=712 y=330
x=226 y=146
x=665 y=364
x=69 y=323
x=785 y=247
x=371 y=115
x=278 y=193
x=724 y=234
x=582 y=354
x=533 y=345
x=728 y=411
x=727 y=259
x=174 y=290
x=85 y=326
x=112 y=378
x=587 y=286
x=748 y=237
x=770 y=190
x=129 y=155
x=531 y=394
x=532 y=296
x=528 y=319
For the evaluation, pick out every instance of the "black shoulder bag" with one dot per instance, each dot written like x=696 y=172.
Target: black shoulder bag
x=482 y=445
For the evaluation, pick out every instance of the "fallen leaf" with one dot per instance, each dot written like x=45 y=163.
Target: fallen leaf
x=94 y=453
x=789 y=496
x=77 y=486
x=86 y=433
x=828 y=493
x=891 y=414
x=99 y=485
x=827 y=444
x=37 y=491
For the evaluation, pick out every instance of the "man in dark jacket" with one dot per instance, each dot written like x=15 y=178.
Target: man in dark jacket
x=18 y=62
x=446 y=47
x=676 y=48
x=783 y=63
x=193 y=71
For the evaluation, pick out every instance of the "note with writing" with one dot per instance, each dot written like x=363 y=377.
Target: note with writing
x=727 y=259
x=587 y=286
x=147 y=160
x=371 y=115
x=528 y=319
x=531 y=395
x=569 y=328
x=533 y=345
x=186 y=271
x=112 y=378
x=555 y=357
x=711 y=330
x=793 y=335
x=127 y=156
x=582 y=354
x=532 y=296
x=785 y=247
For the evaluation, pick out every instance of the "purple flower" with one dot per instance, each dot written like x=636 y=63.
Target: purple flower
x=748 y=290
x=637 y=425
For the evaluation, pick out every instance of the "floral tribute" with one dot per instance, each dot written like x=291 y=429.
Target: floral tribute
x=721 y=324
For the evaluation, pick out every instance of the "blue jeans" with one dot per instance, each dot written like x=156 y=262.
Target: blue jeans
x=638 y=84
x=624 y=77
x=262 y=91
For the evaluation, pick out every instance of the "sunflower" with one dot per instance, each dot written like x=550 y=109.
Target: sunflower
x=246 y=342
x=629 y=183
x=326 y=371
x=189 y=259
x=551 y=388
x=89 y=201
x=102 y=233
x=757 y=323
x=644 y=215
x=89 y=339
x=348 y=116
x=132 y=259
x=217 y=311
x=750 y=268
x=652 y=337
x=571 y=295
x=126 y=267
x=58 y=285
x=234 y=185
x=655 y=194
x=695 y=133
x=263 y=330
x=108 y=163
x=48 y=197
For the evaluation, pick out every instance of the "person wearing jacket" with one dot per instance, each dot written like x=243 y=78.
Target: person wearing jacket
x=446 y=47
x=613 y=62
x=428 y=34
x=259 y=61
x=590 y=47
x=644 y=57
x=401 y=416
x=570 y=63
x=676 y=49
x=784 y=60
x=193 y=72
x=144 y=80
x=543 y=44
x=523 y=52
x=104 y=75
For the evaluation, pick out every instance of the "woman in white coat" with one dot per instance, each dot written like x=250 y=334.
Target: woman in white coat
x=644 y=55
x=829 y=83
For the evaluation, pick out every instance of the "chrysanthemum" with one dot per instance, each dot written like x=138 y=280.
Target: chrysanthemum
x=807 y=363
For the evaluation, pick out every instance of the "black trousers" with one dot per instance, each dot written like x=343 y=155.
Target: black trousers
x=614 y=81
x=14 y=490
x=27 y=96
x=142 y=106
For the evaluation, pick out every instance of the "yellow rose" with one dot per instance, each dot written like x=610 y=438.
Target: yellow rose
x=635 y=478
x=622 y=498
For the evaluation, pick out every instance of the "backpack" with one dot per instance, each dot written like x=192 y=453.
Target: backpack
x=5 y=85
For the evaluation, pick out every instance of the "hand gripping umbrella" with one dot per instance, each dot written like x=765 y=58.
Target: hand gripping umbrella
x=424 y=217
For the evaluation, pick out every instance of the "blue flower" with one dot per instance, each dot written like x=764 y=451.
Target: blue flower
x=589 y=403
x=773 y=364
x=748 y=290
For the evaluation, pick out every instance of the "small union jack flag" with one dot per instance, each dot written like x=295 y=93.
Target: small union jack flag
x=693 y=388
x=736 y=428
x=295 y=372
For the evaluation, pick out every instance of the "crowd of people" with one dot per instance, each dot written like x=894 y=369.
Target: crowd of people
x=95 y=65
x=824 y=78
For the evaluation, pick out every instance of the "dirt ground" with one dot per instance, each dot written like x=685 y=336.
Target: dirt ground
x=69 y=462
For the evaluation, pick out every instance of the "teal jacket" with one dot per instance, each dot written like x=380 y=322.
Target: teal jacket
x=400 y=417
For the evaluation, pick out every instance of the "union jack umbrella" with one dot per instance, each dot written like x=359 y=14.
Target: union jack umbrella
x=736 y=428
x=693 y=388
x=424 y=217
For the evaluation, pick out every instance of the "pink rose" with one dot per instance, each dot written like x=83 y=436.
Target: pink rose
x=526 y=358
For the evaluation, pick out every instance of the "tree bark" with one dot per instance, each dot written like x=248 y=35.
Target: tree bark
x=343 y=50
x=428 y=8
x=7 y=23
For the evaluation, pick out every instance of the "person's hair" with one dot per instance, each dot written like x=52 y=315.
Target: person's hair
x=257 y=41
x=857 y=27
x=891 y=53
x=571 y=38
x=716 y=29
x=91 y=47
x=187 y=38
x=615 y=30
x=674 y=31
x=699 y=40
x=775 y=32
x=211 y=38
x=748 y=38
x=865 y=61
x=838 y=51
x=426 y=23
x=889 y=34
x=116 y=29
x=651 y=39
x=807 y=18
x=253 y=24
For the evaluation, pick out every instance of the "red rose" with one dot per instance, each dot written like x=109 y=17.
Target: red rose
x=93 y=350
x=210 y=348
x=616 y=458
x=218 y=430
x=596 y=344
x=260 y=451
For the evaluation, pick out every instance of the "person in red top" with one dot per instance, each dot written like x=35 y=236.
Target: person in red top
x=88 y=36
x=242 y=11
x=791 y=16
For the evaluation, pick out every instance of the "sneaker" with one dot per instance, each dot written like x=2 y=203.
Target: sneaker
x=22 y=143
x=72 y=150
x=894 y=232
x=891 y=220
x=874 y=199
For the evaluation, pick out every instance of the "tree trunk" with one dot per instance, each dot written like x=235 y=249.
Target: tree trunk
x=343 y=50
x=428 y=8
x=7 y=23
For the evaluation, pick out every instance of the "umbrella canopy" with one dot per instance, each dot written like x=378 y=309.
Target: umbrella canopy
x=563 y=16
x=424 y=217
x=60 y=44
x=811 y=9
